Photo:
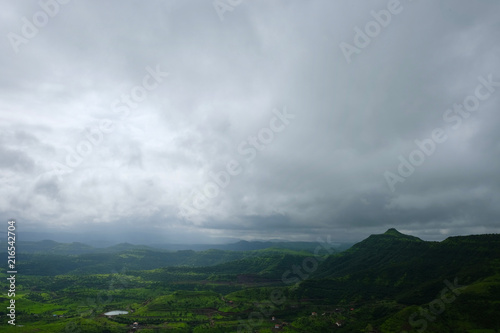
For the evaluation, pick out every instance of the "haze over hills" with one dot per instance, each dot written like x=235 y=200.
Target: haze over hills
x=53 y=247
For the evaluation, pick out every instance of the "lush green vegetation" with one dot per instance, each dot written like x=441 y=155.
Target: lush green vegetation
x=386 y=283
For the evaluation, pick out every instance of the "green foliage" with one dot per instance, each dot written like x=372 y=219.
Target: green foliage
x=384 y=284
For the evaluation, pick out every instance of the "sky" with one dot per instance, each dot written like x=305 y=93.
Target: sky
x=213 y=121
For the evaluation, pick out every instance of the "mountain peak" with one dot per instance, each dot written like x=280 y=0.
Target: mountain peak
x=393 y=232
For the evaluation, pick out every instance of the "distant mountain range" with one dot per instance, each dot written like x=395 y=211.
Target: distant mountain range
x=52 y=247
x=253 y=245
x=53 y=258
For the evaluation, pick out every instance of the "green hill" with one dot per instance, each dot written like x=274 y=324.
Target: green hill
x=404 y=269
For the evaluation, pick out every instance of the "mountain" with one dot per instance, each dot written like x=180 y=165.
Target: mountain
x=75 y=248
x=411 y=273
x=401 y=261
x=393 y=232
x=123 y=247
x=133 y=257
x=374 y=253
x=53 y=247
x=243 y=245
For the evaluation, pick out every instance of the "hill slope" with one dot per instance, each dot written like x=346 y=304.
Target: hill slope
x=397 y=267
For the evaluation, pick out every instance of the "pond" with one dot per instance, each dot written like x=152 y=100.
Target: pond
x=115 y=313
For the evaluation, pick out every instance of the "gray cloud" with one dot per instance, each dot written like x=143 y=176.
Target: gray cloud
x=323 y=173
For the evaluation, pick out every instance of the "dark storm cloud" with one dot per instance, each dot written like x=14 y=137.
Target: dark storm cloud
x=85 y=144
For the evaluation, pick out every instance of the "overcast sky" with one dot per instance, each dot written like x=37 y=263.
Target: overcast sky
x=185 y=121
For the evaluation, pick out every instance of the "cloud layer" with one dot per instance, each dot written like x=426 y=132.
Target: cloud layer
x=264 y=127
